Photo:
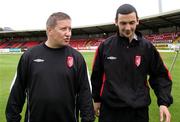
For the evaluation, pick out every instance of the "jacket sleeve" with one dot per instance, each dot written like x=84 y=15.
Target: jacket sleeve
x=17 y=94
x=84 y=102
x=160 y=79
x=97 y=74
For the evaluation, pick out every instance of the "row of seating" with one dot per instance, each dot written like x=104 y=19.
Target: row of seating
x=15 y=44
x=80 y=43
x=76 y=43
x=165 y=37
x=86 y=43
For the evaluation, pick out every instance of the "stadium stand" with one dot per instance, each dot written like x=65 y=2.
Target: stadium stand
x=161 y=38
x=31 y=44
x=91 y=43
x=83 y=44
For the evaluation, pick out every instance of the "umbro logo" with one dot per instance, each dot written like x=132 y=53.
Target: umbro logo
x=38 y=60
x=112 y=58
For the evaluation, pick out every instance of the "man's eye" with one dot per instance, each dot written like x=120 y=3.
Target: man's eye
x=63 y=29
x=132 y=23
x=123 y=23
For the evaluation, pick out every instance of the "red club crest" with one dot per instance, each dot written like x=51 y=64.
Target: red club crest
x=138 y=60
x=70 y=61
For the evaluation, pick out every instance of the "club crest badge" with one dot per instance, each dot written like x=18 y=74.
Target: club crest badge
x=70 y=61
x=138 y=60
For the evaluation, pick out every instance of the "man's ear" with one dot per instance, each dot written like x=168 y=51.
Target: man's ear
x=137 y=22
x=49 y=30
x=116 y=24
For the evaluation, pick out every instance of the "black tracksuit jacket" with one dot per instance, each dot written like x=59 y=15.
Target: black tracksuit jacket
x=121 y=70
x=51 y=80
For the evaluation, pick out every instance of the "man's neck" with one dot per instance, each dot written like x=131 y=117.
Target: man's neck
x=134 y=36
x=49 y=44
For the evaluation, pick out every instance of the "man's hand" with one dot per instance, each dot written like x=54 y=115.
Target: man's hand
x=164 y=112
x=97 y=106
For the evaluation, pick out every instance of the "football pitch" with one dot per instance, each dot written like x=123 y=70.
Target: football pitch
x=8 y=65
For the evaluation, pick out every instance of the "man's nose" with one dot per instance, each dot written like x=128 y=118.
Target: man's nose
x=68 y=32
x=127 y=27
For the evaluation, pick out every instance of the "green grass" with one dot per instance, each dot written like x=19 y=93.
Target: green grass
x=8 y=65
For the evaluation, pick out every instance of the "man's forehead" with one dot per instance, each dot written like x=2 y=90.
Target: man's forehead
x=127 y=17
x=133 y=14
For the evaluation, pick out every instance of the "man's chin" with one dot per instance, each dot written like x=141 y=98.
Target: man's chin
x=66 y=43
x=128 y=35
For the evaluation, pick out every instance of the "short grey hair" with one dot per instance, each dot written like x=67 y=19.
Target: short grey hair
x=53 y=18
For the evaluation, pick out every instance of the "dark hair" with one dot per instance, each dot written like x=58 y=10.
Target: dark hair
x=53 y=18
x=126 y=9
